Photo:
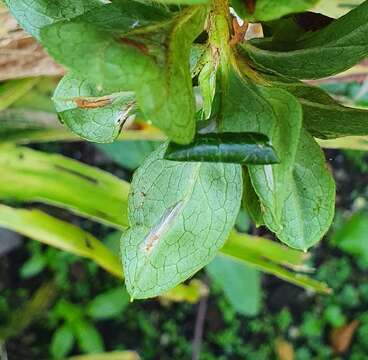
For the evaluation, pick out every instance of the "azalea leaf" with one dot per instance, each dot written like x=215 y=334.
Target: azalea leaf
x=91 y=111
x=244 y=109
x=173 y=234
x=324 y=117
x=33 y=15
x=319 y=54
x=145 y=60
x=266 y=10
x=236 y=148
x=297 y=195
x=310 y=205
x=271 y=181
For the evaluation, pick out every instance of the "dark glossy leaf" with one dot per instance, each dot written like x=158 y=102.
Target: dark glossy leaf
x=324 y=117
x=236 y=148
x=319 y=54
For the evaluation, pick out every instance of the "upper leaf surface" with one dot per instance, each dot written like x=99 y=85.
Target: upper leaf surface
x=266 y=10
x=297 y=195
x=272 y=182
x=323 y=116
x=152 y=61
x=331 y=50
x=180 y=215
x=244 y=109
x=90 y=111
x=33 y=15
x=310 y=205
x=171 y=104
x=236 y=148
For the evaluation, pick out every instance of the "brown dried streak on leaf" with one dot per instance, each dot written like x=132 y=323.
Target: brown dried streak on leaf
x=340 y=338
x=20 y=55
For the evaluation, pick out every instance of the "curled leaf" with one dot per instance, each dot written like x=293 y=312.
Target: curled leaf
x=236 y=148
x=90 y=110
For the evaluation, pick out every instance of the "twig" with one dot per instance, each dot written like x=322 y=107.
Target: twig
x=198 y=330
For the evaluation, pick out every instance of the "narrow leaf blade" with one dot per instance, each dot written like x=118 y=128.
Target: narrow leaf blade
x=236 y=148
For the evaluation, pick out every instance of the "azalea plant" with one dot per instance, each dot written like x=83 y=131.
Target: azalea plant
x=240 y=120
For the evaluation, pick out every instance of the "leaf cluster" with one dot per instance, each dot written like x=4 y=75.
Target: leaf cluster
x=240 y=120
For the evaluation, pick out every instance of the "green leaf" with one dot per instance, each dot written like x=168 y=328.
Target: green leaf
x=310 y=204
x=329 y=51
x=250 y=200
x=207 y=83
x=244 y=108
x=36 y=14
x=352 y=237
x=109 y=304
x=266 y=10
x=349 y=142
x=241 y=284
x=99 y=54
x=272 y=182
x=91 y=111
x=121 y=16
x=88 y=338
x=30 y=175
x=180 y=215
x=235 y=248
x=24 y=126
x=176 y=94
x=129 y=154
x=236 y=148
x=12 y=90
x=323 y=116
x=62 y=235
x=19 y=126
x=62 y=342
x=267 y=249
x=152 y=62
x=297 y=195
x=33 y=266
